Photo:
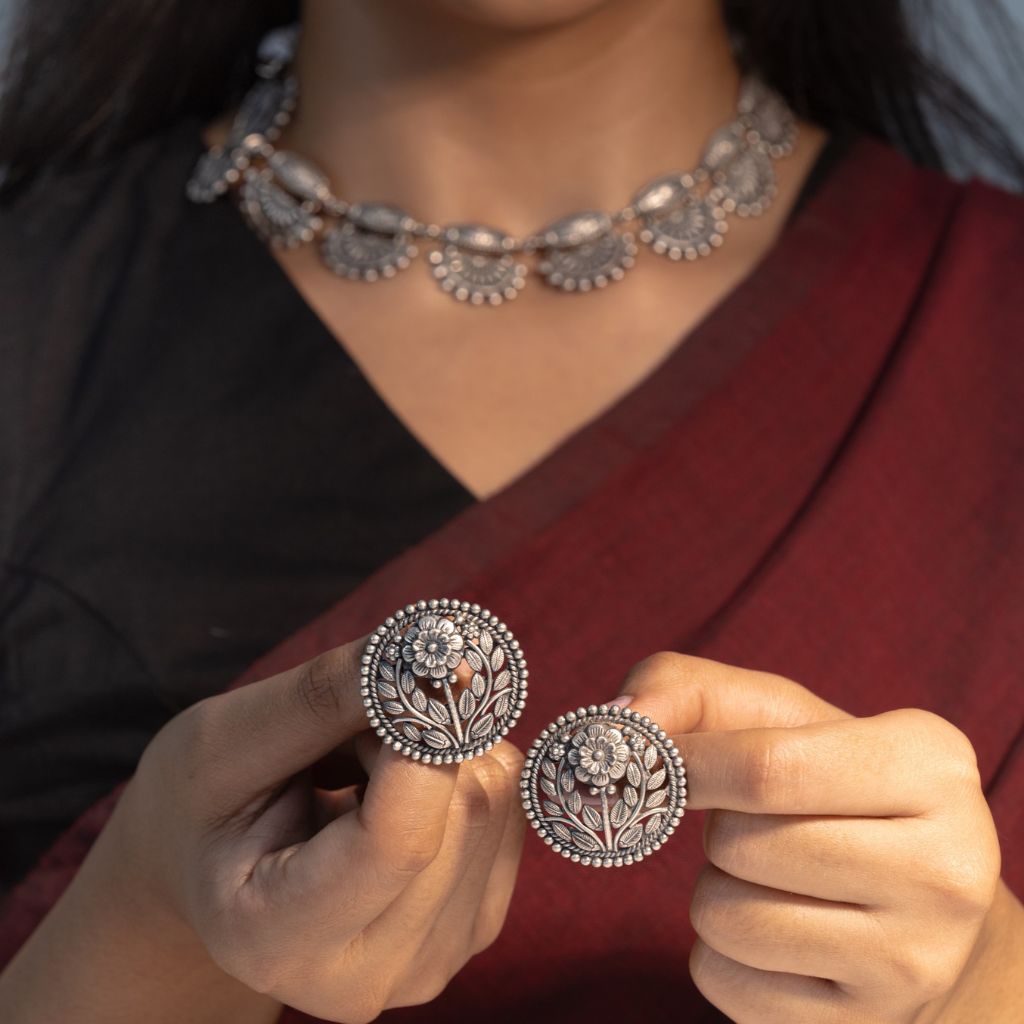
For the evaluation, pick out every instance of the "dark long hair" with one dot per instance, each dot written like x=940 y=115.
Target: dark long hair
x=87 y=77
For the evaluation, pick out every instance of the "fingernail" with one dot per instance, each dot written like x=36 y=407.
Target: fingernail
x=622 y=701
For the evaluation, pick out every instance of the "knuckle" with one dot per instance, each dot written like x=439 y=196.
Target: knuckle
x=769 y=774
x=490 y=919
x=317 y=684
x=363 y=1005
x=471 y=804
x=413 y=853
x=661 y=663
x=499 y=780
x=194 y=729
x=964 y=882
x=927 y=972
x=487 y=930
x=707 y=908
x=723 y=841
x=511 y=758
x=652 y=672
x=189 y=747
x=368 y=999
x=939 y=741
x=490 y=772
x=428 y=985
x=706 y=970
x=360 y=1012
x=263 y=974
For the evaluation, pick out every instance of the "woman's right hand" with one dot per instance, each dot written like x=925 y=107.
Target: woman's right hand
x=338 y=906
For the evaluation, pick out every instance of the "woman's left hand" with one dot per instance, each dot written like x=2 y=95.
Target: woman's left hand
x=854 y=862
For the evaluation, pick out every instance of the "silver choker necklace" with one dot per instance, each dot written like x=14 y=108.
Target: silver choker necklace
x=288 y=201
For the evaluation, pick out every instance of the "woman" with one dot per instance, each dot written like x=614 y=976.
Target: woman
x=796 y=459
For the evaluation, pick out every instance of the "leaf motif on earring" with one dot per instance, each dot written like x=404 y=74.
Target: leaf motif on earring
x=633 y=777
x=436 y=714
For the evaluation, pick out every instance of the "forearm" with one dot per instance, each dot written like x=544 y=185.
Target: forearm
x=105 y=953
x=992 y=986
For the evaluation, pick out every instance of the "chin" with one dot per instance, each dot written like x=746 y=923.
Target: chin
x=520 y=14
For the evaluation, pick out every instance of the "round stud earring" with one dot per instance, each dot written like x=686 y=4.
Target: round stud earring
x=604 y=786
x=442 y=681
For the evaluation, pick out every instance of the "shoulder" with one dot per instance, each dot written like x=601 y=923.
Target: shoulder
x=957 y=357
x=983 y=257
x=81 y=219
x=975 y=273
x=967 y=237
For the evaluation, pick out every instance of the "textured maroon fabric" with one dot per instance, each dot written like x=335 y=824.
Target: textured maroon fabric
x=826 y=481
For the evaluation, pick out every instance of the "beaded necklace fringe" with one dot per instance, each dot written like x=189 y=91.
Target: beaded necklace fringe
x=288 y=201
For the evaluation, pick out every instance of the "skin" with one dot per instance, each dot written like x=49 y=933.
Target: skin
x=514 y=114
x=228 y=882
x=853 y=865
x=236 y=873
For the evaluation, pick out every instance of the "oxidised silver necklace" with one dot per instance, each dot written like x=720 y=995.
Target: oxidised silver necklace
x=288 y=201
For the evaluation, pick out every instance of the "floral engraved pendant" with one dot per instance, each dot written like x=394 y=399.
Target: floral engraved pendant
x=442 y=681
x=604 y=786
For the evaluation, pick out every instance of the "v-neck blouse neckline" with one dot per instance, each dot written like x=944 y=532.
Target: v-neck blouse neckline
x=694 y=363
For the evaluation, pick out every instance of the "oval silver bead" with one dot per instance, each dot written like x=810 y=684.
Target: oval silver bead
x=299 y=176
x=279 y=44
x=724 y=146
x=383 y=218
x=214 y=172
x=658 y=195
x=576 y=229
x=477 y=238
x=752 y=92
x=259 y=111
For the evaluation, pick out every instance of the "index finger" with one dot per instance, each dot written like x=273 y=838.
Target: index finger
x=890 y=765
x=374 y=851
x=683 y=693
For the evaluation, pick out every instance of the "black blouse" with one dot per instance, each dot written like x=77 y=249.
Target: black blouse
x=191 y=467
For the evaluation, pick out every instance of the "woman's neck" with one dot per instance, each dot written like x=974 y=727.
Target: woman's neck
x=457 y=120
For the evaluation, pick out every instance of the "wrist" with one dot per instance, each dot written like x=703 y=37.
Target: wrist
x=114 y=948
x=991 y=986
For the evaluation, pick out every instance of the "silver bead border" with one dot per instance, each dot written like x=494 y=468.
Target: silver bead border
x=763 y=126
x=390 y=630
x=675 y=771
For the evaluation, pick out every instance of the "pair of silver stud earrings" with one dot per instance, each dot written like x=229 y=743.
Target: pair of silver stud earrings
x=444 y=680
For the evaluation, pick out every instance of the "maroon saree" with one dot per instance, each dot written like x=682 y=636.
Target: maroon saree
x=825 y=481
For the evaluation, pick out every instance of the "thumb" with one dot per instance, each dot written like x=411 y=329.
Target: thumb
x=265 y=732
x=685 y=694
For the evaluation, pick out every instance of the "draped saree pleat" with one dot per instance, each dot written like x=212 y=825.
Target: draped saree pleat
x=815 y=483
